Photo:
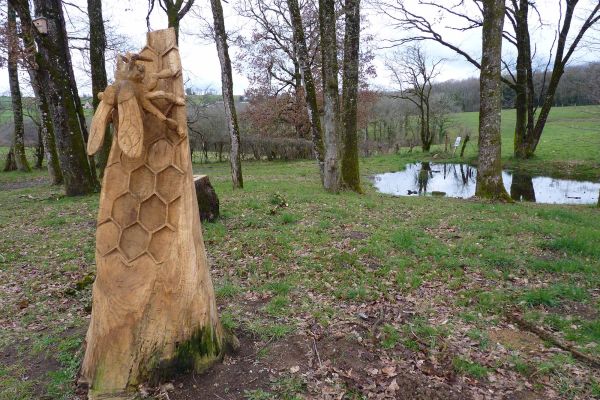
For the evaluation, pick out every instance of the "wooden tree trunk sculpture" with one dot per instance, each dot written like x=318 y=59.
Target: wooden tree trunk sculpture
x=154 y=309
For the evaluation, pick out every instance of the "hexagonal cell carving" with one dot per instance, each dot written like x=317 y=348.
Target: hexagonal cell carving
x=174 y=211
x=160 y=155
x=178 y=156
x=153 y=213
x=173 y=137
x=125 y=209
x=129 y=164
x=134 y=241
x=119 y=179
x=107 y=237
x=168 y=184
x=141 y=183
x=160 y=244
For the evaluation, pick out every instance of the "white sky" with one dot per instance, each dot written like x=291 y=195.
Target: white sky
x=201 y=64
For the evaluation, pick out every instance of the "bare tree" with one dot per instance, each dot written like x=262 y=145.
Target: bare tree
x=220 y=36
x=331 y=99
x=301 y=51
x=175 y=10
x=530 y=121
x=54 y=64
x=489 y=175
x=350 y=71
x=17 y=153
x=98 y=72
x=414 y=74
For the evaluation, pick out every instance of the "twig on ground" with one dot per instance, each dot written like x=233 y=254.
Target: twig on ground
x=316 y=351
x=517 y=319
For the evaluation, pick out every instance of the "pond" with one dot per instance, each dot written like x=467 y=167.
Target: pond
x=458 y=180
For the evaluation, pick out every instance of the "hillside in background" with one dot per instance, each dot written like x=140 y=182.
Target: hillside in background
x=6 y=123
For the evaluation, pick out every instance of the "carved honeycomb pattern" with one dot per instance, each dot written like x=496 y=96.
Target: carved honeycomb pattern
x=140 y=208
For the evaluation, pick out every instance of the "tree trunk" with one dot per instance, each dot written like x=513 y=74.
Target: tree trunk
x=39 y=149
x=98 y=69
x=350 y=164
x=331 y=100
x=309 y=85
x=208 y=201
x=227 y=88
x=173 y=20
x=18 y=142
x=55 y=59
x=47 y=129
x=524 y=86
x=489 y=175
x=39 y=79
x=154 y=310
x=9 y=163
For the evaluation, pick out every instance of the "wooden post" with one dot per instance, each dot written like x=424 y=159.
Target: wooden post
x=154 y=310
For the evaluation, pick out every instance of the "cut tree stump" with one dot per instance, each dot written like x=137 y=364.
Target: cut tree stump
x=208 y=201
x=154 y=311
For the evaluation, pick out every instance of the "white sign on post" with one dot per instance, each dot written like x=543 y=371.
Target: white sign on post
x=457 y=142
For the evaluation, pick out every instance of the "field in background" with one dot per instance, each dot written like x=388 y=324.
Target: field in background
x=572 y=133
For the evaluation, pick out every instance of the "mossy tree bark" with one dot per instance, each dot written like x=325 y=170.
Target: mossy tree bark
x=39 y=149
x=46 y=127
x=350 y=164
x=310 y=91
x=9 y=162
x=18 y=141
x=227 y=89
x=489 y=174
x=154 y=310
x=331 y=99
x=98 y=69
x=39 y=79
x=54 y=58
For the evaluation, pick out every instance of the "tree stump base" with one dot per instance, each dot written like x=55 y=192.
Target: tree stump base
x=208 y=201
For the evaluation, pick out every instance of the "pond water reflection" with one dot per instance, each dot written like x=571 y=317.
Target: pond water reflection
x=458 y=180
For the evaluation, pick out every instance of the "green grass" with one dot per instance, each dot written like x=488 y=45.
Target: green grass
x=568 y=146
x=465 y=366
x=277 y=273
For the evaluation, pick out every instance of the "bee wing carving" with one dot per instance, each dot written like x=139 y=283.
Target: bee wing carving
x=100 y=120
x=130 y=132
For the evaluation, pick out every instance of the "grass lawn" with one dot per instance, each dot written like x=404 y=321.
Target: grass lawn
x=416 y=290
x=569 y=146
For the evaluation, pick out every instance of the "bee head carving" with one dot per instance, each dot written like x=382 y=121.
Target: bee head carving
x=129 y=69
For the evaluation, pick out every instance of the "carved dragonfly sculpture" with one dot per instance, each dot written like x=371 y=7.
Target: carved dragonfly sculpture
x=124 y=102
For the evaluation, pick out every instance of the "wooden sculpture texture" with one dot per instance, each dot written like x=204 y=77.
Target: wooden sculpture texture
x=154 y=309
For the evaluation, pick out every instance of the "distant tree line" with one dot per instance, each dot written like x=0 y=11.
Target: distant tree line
x=576 y=88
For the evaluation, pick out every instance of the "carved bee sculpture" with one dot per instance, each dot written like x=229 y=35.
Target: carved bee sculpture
x=123 y=103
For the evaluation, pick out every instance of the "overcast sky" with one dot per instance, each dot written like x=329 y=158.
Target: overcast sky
x=201 y=64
